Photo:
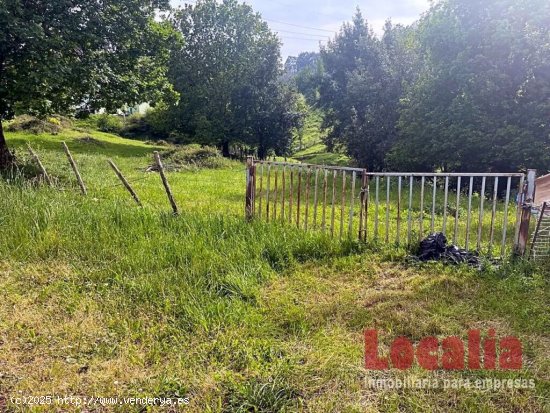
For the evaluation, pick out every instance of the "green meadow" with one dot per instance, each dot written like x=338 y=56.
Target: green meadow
x=99 y=296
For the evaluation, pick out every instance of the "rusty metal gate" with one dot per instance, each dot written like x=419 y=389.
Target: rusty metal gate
x=488 y=212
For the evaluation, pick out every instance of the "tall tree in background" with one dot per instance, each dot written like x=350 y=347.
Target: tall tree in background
x=58 y=54
x=227 y=75
x=361 y=88
x=482 y=102
x=308 y=78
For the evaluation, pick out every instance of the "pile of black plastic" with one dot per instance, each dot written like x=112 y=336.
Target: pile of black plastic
x=435 y=248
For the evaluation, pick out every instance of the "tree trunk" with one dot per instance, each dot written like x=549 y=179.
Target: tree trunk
x=262 y=151
x=225 y=149
x=6 y=157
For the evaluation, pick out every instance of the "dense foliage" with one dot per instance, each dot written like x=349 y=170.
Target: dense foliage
x=227 y=76
x=465 y=88
x=482 y=99
x=56 y=56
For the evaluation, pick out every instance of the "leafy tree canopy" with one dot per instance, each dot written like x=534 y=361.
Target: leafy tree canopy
x=361 y=87
x=482 y=99
x=57 y=55
x=227 y=76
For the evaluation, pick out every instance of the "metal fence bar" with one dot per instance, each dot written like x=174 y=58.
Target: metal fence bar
x=493 y=215
x=334 y=175
x=308 y=177
x=283 y=189
x=299 y=197
x=432 y=226
x=365 y=204
x=421 y=218
x=362 y=228
x=377 y=205
x=481 y=201
x=469 y=218
x=458 y=189
x=343 y=204
x=275 y=193
x=414 y=174
x=399 y=185
x=449 y=174
x=446 y=198
x=268 y=185
x=409 y=217
x=290 y=194
x=325 y=184
x=315 y=197
x=387 y=209
x=261 y=190
x=505 y=218
x=351 y=204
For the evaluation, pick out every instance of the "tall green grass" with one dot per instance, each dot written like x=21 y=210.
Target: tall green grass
x=101 y=297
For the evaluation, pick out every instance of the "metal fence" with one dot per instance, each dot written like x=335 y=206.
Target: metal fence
x=481 y=211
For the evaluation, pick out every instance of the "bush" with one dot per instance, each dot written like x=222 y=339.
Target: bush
x=109 y=123
x=27 y=123
x=156 y=124
x=193 y=156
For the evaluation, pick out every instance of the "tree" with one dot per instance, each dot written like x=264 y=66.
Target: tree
x=56 y=55
x=279 y=115
x=361 y=88
x=482 y=101
x=226 y=75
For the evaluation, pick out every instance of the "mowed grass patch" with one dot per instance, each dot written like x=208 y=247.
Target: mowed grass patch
x=322 y=311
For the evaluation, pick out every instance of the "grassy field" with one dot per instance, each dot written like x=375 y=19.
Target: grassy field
x=99 y=297
x=312 y=149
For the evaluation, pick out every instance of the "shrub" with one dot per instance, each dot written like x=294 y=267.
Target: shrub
x=27 y=123
x=193 y=156
x=109 y=123
x=155 y=124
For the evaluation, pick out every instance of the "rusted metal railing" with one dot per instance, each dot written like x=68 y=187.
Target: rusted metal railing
x=488 y=212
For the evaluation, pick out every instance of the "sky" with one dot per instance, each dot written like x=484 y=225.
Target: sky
x=303 y=25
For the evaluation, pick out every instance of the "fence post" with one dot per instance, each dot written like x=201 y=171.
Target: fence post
x=39 y=163
x=75 y=169
x=525 y=202
x=165 y=183
x=125 y=182
x=250 y=187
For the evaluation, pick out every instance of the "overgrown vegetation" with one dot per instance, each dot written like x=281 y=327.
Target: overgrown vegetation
x=194 y=157
x=99 y=296
x=463 y=89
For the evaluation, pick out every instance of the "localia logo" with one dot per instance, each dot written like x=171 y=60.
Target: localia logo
x=450 y=353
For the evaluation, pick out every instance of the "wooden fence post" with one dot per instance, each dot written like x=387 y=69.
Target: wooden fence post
x=250 y=187
x=40 y=166
x=166 y=184
x=525 y=203
x=125 y=182
x=75 y=169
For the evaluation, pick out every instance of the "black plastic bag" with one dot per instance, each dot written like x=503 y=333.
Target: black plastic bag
x=435 y=248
